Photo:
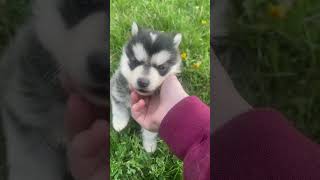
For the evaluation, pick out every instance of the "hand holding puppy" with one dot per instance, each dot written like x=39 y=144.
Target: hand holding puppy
x=87 y=147
x=150 y=111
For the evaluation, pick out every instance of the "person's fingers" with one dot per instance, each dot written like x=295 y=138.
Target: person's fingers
x=134 y=97
x=147 y=100
x=138 y=111
x=90 y=141
x=171 y=77
x=88 y=150
x=139 y=106
x=171 y=81
x=79 y=115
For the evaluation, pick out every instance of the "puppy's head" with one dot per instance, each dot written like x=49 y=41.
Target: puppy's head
x=74 y=32
x=148 y=58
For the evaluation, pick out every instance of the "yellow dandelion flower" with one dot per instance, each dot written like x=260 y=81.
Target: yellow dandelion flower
x=184 y=56
x=204 y=22
x=196 y=65
x=277 y=11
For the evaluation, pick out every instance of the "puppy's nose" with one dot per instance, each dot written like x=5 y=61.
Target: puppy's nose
x=98 y=67
x=143 y=82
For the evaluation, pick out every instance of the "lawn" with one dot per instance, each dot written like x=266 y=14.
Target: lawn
x=276 y=58
x=192 y=19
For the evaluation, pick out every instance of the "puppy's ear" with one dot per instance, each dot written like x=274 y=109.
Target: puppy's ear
x=134 y=29
x=177 y=40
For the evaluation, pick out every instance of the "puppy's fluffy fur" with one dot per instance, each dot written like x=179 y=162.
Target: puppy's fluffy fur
x=60 y=49
x=147 y=59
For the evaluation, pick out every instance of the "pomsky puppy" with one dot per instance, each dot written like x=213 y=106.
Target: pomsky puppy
x=147 y=59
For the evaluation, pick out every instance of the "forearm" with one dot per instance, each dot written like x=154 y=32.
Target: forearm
x=186 y=130
x=261 y=143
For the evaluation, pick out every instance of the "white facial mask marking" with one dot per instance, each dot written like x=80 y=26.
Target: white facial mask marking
x=139 y=52
x=153 y=75
x=160 y=57
x=153 y=37
x=134 y=29
x=177 y=40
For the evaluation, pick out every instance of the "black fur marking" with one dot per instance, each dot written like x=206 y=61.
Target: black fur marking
x=163 y=69
x=133 y=62
x=115 y=100
x=120 y=85
x=164 y=41
x=73 y=11
x=122 y=79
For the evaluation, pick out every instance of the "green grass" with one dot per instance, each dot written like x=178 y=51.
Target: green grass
x=12 y=14
x=191 y=18
x=282 y=59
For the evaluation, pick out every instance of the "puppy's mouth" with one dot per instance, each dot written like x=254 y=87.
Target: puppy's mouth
x=144 y=92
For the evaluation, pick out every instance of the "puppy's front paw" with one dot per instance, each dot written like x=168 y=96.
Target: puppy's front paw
x=150 y=146
x=119 y=125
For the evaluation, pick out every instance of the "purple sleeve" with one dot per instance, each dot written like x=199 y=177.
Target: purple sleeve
x=261 y=144
x=186 y=130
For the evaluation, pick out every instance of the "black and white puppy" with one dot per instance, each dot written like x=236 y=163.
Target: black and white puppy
x=62 y=48
x=147 y=59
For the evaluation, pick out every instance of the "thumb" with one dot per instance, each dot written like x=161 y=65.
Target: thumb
x=79 y=115
x=138 y=111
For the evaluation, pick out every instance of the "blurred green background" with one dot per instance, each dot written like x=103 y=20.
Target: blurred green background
x=274 y=57
x=12 y=14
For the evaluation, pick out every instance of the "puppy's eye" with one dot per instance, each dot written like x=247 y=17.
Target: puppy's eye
x=161 y=67
x=136 y=61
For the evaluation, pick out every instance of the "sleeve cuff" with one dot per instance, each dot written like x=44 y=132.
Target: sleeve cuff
x=186 y=124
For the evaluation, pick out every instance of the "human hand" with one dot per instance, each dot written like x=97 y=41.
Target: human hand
x=150 y=111
x=87 y=146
